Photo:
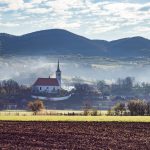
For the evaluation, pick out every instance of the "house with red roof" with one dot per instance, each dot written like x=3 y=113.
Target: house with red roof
x=48 y=85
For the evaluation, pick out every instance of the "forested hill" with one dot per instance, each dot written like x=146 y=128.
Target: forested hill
x=58 y=41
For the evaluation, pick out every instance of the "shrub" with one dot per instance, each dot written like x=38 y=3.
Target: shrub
x=110 y=112
x=86 y=112
x=94 y=112
x=148 y=108
x=119 y=109
x=36 y=106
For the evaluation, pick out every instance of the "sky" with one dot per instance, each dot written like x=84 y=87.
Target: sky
x=95 y=19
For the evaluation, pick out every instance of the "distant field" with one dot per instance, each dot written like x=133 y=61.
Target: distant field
x=52 y=112
x=77 y=118
x=61 y=115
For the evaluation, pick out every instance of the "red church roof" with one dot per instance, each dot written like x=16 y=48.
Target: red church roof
x=46 y=82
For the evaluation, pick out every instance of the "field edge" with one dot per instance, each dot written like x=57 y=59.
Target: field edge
x=78 y=118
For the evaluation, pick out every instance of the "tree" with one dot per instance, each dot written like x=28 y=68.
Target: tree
x=3 y=92
x=119 y=108
x=86 y=108
x=148 y=108
x=128 y=83
x=146 y=88
x=110 y=112
x=11 y=87
x=94 y=112
x=105 y=89
x=36 y=106
x=123 y=86
x=137 y=107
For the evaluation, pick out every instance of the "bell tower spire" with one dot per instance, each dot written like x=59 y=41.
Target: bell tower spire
x=58 y=69
x=58 y=74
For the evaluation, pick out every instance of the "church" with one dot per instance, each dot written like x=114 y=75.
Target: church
x=48 y=85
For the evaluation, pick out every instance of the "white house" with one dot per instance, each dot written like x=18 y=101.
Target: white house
x=48 y=85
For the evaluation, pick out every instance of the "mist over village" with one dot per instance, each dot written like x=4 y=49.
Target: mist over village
x=102 y=89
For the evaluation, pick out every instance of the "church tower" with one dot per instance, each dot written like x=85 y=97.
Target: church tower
x=58 y=74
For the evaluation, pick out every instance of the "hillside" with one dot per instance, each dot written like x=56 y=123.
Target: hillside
x=58 y=41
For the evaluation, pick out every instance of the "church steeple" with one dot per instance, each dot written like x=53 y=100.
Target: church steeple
x=58 y=74
x=58 y=69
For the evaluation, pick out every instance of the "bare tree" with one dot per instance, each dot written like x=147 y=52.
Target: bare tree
x=148 y=108
x=36 y=106
x=119 y=109
x=137 y=107
x=86 y=108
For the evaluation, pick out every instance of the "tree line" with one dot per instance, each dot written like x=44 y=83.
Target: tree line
x=9 y=88
x=132 y=108
x=127 y=86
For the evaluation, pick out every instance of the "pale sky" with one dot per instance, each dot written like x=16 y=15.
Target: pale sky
x=95 y=19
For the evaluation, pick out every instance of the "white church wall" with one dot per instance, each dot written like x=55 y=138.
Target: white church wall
x=48 y=89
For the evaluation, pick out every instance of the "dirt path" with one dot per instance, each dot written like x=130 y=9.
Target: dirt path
x=74 y=135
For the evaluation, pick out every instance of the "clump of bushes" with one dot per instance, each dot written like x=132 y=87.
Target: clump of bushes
x=94 y=112
x=119 y=109
x=89 y=111
x=133 y=108
x=110 y=112
x=138 y=107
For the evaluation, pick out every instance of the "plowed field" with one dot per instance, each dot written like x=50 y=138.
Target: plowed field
x=74 y=135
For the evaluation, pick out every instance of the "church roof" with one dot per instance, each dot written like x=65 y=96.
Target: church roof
x=46 y=82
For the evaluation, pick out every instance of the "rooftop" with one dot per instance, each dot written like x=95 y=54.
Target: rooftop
x=46 y=82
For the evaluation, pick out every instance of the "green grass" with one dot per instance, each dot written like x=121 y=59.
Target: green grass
x=18 y=115
x=77 y=118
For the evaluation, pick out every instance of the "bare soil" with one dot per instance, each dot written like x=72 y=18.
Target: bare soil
x=74 y=135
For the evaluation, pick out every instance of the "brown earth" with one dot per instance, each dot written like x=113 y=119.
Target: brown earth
x=74 y=135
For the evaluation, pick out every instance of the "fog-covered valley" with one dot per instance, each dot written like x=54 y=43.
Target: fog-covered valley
x=25 y=69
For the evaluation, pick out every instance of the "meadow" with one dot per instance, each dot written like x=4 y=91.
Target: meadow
x=46 y=112
x=62 y=115
x=77 y=118
x=66 y=115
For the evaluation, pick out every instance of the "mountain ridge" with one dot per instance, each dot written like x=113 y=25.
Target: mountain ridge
x=60 y=41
